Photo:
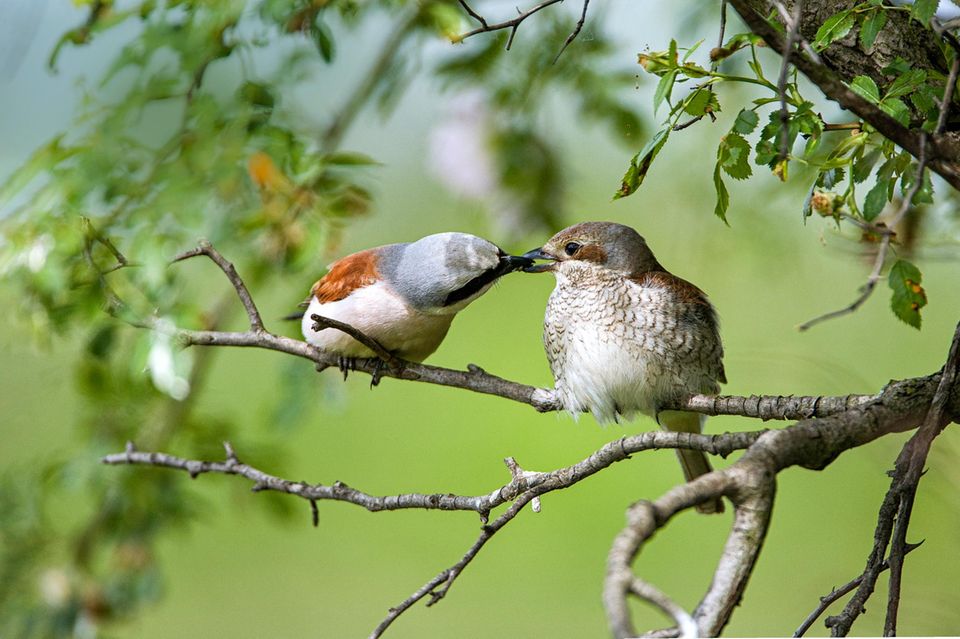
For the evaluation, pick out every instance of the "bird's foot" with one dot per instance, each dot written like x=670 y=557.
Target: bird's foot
x=346 y=364
x=375 y=376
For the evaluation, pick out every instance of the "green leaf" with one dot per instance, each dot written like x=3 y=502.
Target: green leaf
x=640 y=164
x=908 y=295
x=723 y=198
x=872 y=24
x=905 y=83
x=691 y=50
x=862 y=165
x=865 y=87
x=746 y=121
x=323 y=39
x=664 y=88
x=836 y=26
x=733 y=156
x=350 y=158
x=923 y=10
x=876 y=199
x=895 y=108
x=700 y=102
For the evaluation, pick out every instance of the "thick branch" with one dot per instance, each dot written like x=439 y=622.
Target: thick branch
x=749 y=483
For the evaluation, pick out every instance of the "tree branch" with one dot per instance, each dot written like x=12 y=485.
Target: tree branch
x=836 y=593
x=895 y=511
x=513 y=24
x=750 y=484
x=942 y=151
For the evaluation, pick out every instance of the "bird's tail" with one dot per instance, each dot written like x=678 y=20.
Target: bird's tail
x=694 y=462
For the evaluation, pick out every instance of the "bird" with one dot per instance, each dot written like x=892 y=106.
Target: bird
x=624 y=335
x=403 y=295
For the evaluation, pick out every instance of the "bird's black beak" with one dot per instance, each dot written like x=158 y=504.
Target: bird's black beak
x=538 y=254
x=510 y=263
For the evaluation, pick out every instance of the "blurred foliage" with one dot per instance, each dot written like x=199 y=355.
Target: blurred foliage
x=186 y=137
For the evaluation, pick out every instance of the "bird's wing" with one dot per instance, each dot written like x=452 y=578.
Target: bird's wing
x=700 y=312
x=345 y=276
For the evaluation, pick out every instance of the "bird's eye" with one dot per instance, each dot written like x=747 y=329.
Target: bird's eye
x=571 y=248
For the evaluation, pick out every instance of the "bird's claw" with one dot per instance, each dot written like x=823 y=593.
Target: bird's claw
x=377 y=372
x=346 y=364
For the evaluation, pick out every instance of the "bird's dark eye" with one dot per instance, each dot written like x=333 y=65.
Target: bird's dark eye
x=571 y=248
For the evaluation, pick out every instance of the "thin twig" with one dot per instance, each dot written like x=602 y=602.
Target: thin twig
x=513 y=24
x=827 y=600
x=473 y=14
x=793 y=33
x=205 y=248
x=321 y=323
x=576 y=31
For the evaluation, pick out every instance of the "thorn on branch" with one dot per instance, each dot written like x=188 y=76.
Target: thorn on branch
x=314 y=513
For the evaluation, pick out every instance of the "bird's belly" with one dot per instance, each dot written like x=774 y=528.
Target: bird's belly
x=379 y=313
x=608 y=377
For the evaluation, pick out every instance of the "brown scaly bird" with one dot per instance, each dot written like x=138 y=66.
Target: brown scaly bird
x=624 y=335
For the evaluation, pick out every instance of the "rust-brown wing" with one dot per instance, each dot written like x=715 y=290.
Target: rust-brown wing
x=700 y=311
x=347 y=275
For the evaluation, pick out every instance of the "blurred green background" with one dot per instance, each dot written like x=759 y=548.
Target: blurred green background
x=250 y=565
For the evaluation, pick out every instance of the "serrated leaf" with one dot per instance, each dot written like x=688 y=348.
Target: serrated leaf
x=733 y=156
x=864 y=164
x=865 y=87
x=701 y=102
x=723 y=197
x=876 y=199
x=905 y=83
x=640 y=164
x=871 y=27
x=895 y=108
x=923 y=10
x=664 y=88
x=766 y=152
x=746 y=121
x=691 y=50
x=836 y=26
x=908 y=295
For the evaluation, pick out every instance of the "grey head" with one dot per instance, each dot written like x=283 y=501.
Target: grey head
x=443 y=273
x=613 y=246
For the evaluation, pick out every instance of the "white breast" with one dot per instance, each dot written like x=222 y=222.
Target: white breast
x=383 y=315
x=609 y=348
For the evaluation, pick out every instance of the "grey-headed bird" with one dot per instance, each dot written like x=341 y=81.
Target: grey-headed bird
x=404 y=295
x=624 y=335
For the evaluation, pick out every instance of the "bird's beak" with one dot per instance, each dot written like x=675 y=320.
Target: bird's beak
x=539 y=254
x=510 y=263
